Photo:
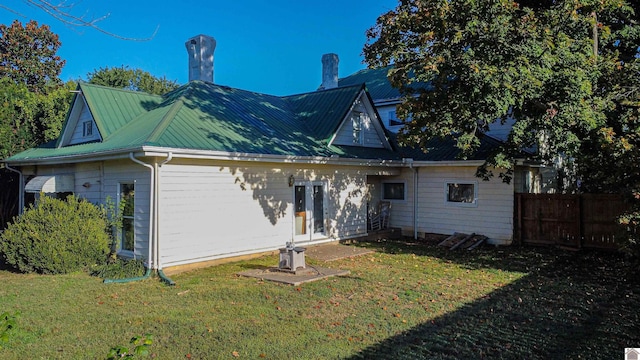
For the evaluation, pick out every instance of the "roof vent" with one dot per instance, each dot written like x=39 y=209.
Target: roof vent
x=200 y=49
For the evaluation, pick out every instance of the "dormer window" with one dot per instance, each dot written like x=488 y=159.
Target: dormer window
x=357 y=119
x=87 y=128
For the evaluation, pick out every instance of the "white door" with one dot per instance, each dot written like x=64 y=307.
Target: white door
x=309 y=210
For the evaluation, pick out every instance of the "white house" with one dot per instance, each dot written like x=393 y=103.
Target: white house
x=210 y=172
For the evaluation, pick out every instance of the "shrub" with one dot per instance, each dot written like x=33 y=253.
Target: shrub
x=56 y=237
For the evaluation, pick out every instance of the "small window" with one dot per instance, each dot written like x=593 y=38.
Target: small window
x=461 y=193
x=393 y=119
x=87 y=128
x=356 y=121
x=393 y=191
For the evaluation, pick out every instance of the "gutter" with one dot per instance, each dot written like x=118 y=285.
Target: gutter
x=415 y=196
x=153 y=253
x=156 y=215
x=20 y=188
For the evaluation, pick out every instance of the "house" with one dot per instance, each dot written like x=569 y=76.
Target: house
x=209 y=172
x=537 y=179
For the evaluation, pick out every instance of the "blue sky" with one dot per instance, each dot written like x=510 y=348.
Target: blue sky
x=272 y=47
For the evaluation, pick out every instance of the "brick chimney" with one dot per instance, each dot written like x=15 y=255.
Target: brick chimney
x=329 y=71
x=200 y=49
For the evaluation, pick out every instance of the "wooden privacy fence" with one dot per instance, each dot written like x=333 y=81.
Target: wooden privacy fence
x=577 y=221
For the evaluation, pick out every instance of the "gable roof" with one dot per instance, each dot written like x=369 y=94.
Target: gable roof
x=202 y=116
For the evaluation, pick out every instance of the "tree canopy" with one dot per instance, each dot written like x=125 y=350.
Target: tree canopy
x=131 y=79
x=28 y=55
x=564 y=71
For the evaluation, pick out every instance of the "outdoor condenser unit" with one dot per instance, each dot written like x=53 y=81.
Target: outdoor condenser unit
x=291 y=258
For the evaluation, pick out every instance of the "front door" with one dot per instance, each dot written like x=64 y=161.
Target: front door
x=309 y=210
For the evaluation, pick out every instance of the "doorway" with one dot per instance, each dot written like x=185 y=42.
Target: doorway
x=310 y=210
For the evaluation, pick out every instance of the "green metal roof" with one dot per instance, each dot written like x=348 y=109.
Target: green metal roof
x=377 y=84
x=205 y=116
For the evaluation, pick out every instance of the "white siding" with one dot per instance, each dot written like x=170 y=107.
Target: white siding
x=127 y=171
x=371 y=138
x=493 y=215
x=88 y=182
x=77 y=135
x=219 y=209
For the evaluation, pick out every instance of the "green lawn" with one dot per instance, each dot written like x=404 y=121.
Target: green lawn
x=406 y=301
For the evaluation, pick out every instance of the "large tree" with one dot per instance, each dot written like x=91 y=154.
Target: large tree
x=28 y=55
x=131 y=79
x=565 y=70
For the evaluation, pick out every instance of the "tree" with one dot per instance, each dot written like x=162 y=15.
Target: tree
x=566 y=71
x=131 y=79
x=28 y=55
x=554 y=66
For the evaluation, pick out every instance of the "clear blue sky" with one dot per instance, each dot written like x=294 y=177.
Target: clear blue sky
x=272 y=47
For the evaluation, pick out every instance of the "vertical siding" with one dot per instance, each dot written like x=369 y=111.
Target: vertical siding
x=493 y=215
x=220 y=209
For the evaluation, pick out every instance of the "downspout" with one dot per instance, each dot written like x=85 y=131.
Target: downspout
x=156 y=230
x=20 y=188
x=415 y=197
x=150 y=242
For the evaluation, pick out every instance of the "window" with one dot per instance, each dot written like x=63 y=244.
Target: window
x=393 y=191
x=356 y=121
x=127 y=203
x=87 y=128
x=461 y=193
x=393 y=119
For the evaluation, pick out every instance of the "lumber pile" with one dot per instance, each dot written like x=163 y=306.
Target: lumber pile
x=463 y=241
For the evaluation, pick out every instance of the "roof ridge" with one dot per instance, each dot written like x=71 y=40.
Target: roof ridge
x=166 y=120
x=134 y=92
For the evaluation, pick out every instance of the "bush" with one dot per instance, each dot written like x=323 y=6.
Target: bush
x=56 y=237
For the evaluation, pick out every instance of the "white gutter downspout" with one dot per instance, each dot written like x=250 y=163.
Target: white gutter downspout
x=20 y=188
x=156 y=222
x=415 y=196
x=151 y=210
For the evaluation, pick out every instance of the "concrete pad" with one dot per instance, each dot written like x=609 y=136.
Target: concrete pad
x=310 y=273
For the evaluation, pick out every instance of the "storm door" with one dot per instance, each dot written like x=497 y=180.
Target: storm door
x=309 y=210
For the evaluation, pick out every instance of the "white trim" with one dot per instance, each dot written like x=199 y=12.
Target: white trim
x=461 y=204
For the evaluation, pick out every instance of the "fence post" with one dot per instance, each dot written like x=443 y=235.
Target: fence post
x=580 y=222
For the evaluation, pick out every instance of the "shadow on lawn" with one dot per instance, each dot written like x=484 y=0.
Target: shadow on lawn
x=570 y=305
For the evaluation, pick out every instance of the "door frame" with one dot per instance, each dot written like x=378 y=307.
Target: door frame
x=308 y=215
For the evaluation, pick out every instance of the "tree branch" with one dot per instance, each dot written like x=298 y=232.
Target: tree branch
x=61 y=12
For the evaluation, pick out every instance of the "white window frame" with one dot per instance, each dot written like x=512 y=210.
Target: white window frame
x=404 y=188
x=357 y=124
x=474 y=203
x=121 y=250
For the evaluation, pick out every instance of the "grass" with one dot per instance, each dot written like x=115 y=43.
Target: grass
x=406 y=301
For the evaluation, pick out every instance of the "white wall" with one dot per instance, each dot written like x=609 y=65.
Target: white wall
x=216 y=209
x=493 y=215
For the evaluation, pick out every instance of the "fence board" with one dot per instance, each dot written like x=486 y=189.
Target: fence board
x=569 y=220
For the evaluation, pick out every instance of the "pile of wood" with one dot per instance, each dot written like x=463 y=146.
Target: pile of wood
x=463 y=241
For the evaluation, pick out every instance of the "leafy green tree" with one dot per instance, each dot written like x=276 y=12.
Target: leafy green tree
x=28 y=55
x=131 y=79
x=566 y=72
x=563 y=69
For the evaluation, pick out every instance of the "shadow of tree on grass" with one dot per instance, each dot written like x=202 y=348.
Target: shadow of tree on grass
x=570 y=305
